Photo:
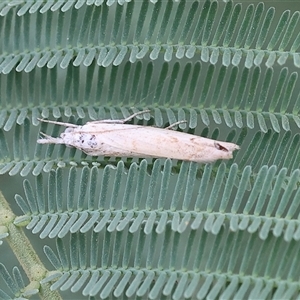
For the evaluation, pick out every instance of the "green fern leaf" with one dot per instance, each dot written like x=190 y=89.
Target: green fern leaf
x=136 y=228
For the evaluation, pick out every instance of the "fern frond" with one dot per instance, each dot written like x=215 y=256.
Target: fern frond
x=231 y=96
x=230 y=33
x=16 y=285
x=49 y=5
x=35 y=158
x=137 y=228
x=195 y=202
x=214 y=271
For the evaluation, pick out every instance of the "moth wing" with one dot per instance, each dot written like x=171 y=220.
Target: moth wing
x=144 y=141
x=141 y=141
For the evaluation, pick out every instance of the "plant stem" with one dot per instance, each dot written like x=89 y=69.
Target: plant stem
x=24 y=251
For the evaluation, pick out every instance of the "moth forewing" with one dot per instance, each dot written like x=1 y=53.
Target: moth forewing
x=116 y=139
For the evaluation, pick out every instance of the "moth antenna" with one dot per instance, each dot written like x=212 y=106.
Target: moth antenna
x=45 y=135
x=58 y=123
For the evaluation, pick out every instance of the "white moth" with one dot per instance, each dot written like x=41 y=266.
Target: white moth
x=114 y=138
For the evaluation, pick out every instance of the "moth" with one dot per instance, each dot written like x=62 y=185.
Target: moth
x=117 y=139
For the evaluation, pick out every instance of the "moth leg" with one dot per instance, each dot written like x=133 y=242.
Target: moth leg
x=58 y=123
x=134 y=115
x=49 y=139
x=121 y=121
x=175 y=124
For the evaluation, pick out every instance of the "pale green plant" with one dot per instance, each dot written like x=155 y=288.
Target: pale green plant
x=144 y=228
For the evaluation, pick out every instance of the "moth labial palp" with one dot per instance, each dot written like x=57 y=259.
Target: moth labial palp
x=114 y=138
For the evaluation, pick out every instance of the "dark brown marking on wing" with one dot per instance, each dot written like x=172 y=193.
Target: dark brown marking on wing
x=220 y=147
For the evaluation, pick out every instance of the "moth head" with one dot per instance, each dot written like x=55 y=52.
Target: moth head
x=69 y=129
x=67 y=136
